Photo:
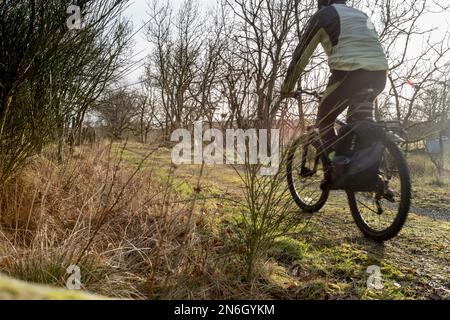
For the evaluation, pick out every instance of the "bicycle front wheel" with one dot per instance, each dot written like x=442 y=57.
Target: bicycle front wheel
x=378 y=216
x=305 y=171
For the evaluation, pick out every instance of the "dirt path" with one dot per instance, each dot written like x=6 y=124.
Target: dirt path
x=436 y=214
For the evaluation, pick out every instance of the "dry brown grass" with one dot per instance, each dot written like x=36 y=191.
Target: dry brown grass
x=121 y=226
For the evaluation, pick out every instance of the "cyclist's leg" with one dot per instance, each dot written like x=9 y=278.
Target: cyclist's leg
x=341 y=88
x=334 y=102
x=343 y=85
x=370 y=85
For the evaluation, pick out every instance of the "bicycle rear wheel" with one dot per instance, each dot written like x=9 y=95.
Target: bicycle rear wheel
x=379 y=217
x=305 y=171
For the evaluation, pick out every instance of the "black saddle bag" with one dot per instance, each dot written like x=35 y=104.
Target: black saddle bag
x=357 y=162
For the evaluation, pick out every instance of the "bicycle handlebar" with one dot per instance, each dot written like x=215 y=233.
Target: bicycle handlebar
x=297 y=94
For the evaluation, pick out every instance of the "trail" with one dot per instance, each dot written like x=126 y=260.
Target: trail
x=436 y=214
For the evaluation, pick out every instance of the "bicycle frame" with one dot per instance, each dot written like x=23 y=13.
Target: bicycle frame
x=362 y=112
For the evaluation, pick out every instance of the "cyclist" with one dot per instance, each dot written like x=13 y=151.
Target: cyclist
x=355 y=56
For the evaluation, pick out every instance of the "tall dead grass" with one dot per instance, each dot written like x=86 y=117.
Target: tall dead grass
x=122 y=227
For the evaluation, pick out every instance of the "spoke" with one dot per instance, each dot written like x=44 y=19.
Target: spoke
x=307 y=188
x=376 y=212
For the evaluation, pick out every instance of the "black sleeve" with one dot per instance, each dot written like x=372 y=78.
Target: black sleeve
x=323 y=27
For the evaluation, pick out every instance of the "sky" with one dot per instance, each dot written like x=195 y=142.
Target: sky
x=137 y=12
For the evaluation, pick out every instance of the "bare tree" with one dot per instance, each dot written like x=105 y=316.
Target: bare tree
x=205 y=91
x=262 y=37
x=148 y=112
x=173 y=64
x=412 y=69
x=117 y=111
x=433 y=109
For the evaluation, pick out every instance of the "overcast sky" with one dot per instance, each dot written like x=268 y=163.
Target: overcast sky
x=137 y=12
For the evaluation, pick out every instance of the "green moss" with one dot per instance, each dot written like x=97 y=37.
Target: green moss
x=288 y=250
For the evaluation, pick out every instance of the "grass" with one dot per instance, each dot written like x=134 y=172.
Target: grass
x=147 y=249
x=331 y=257
x=429 y=190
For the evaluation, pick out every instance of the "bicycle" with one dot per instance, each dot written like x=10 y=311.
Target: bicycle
x=379 y=216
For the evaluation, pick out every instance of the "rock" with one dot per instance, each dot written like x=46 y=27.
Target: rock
x=11 y=289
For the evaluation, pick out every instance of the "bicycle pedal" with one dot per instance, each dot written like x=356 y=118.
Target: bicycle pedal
x=389 y=196
x=307 y=173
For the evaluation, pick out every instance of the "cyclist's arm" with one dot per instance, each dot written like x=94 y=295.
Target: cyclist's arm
x=314 y=34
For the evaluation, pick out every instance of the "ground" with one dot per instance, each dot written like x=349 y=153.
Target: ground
x=329 y=258
x=141 y=239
